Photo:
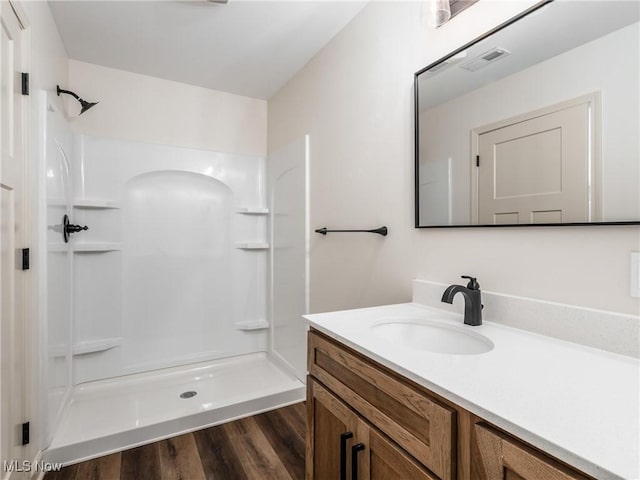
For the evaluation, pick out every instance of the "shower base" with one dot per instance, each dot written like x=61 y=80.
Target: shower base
x=111 y=415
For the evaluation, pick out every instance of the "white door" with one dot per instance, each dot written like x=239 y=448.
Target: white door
x=12 y=224
x=536 y=170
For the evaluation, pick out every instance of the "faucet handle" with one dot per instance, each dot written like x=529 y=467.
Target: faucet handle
x=473 y=284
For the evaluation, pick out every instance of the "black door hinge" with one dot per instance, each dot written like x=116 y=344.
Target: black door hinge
x=25 y=433
x=25 y=83
x=477 y=160
x=25 y=259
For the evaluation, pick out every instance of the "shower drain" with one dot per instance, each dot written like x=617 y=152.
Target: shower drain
x=188 y=394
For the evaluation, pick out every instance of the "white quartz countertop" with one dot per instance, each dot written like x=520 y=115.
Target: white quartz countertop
x=577 y=403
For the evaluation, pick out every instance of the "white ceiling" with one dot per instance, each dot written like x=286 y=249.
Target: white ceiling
x=249 y=48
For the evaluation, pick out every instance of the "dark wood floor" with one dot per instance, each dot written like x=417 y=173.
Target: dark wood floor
x=268 y=446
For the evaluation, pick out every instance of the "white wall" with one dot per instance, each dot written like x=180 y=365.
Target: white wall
x=152 y=110
x=355 y=100
x=48 y=60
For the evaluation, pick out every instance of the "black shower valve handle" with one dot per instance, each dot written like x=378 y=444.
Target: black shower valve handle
x=71 y=228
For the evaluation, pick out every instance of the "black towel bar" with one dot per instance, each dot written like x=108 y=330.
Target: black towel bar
x=380 y=231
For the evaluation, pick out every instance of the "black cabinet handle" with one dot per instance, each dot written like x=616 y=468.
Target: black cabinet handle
x=354 y=460
x=343 y=454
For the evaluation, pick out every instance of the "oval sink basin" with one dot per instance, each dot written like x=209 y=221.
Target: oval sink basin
x=433 y=337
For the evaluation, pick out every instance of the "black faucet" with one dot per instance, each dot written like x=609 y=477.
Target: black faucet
x=472 y=300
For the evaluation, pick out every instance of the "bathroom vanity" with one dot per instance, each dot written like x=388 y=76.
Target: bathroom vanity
x=529 y=407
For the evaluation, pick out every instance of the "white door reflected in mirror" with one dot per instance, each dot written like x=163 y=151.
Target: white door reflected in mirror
x=537 y=168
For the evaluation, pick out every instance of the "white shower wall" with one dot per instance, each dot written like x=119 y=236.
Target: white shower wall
x=173 y=267
x=55 y=281
x=288 y=180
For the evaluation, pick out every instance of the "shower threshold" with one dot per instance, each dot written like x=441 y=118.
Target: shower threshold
x=111 y=415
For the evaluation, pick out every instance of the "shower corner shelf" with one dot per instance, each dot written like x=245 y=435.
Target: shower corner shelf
x=90 y=247
x=96 y=204
x=253 y=210
x=252 y=325
x=95 y=346
x=252 y=245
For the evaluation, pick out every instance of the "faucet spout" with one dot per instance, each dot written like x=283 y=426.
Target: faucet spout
x=472 y=301
x=451 y=292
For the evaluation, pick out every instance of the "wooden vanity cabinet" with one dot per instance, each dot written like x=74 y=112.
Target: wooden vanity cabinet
x=331 y=430
x=366 y=422
x=346 y=447
x=420 y=425
x=497 y=456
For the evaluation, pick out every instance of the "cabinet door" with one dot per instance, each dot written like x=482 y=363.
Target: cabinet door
x=499 y=457
x=384 y=460
x=331 y=433
x=416 y=422
x=342 y=446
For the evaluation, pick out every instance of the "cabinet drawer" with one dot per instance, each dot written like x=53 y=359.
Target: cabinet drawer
x=419 y=424
x=500 y=457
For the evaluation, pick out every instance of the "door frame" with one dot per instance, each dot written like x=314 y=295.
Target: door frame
x=594 y=102
x=31 y=344
x=28 y=299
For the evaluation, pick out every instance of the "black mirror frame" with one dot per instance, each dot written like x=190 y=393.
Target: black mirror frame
x=417 y=141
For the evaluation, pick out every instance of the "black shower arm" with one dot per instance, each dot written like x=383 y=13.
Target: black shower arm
x=68 y=92
x=85 y=105
x=380 y=231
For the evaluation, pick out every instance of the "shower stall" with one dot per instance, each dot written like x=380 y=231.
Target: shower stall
x=180 y=306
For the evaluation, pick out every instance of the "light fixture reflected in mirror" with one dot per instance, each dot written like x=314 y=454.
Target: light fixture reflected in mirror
x=438 y=12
